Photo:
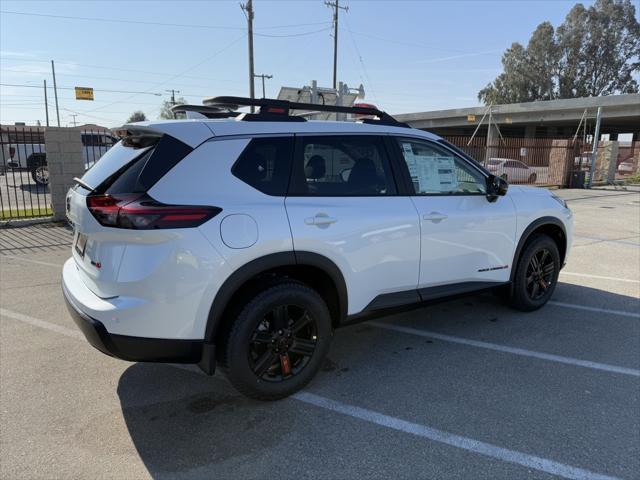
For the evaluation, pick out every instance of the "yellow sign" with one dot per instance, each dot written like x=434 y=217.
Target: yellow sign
x=471 y=118
x=84 y=93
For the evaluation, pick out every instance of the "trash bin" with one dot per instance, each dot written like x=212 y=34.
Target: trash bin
x=577 y=179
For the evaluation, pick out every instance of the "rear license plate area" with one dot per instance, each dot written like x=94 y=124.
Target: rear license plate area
x=81 y=244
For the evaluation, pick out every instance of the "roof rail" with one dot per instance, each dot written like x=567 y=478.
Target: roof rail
x=280 y=110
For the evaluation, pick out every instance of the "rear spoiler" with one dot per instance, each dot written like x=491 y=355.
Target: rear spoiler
x=190 y=132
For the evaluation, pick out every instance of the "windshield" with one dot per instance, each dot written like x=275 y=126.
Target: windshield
x=493 y=161
x=116 y=158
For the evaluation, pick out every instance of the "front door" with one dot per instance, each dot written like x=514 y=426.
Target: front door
x=465 y=238
x=343 y=204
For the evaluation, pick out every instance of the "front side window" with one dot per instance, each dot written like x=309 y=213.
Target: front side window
x=345 y=165
x=266 y=164
x=436 y=171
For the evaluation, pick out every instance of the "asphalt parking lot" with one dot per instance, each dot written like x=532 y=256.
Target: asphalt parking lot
x=463 y=389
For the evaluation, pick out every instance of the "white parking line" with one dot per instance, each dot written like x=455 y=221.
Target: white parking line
x=599 y=277
x=36 y=322
x=458 y=441
x=29 y=260
x=607 y=240
x=513 y=350
x=595 y=309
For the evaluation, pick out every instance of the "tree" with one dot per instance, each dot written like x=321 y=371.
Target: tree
x=165 y=110
x=137 y=116
x=595 y=51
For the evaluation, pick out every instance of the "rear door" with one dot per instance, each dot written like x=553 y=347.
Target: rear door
x=343 y=203
x=465 y=239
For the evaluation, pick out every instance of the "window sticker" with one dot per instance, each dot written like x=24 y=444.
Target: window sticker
x=430 y=173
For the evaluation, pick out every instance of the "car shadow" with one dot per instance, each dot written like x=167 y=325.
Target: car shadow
x=185 y=424
x=34 y=188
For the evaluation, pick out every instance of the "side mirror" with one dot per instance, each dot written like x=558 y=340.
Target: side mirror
x=496 y=187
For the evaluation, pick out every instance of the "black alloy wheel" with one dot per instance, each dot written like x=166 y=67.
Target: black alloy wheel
x=536 y=273
x=540 y=274
x=277 y=341
x=283 y=343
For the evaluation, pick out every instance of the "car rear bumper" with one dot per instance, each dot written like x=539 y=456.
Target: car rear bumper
x=133 y=349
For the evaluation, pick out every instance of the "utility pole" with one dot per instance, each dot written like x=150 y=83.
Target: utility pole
x=46 y=102
x=55 y=91
x=336 y=8
x=594 y=150
x=248 y=12
x=263 y=76
x=74 y=119
x=173 y=95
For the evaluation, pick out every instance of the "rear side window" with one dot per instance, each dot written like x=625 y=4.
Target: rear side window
x=265 y=164
x=344 y=165
x=147 y=167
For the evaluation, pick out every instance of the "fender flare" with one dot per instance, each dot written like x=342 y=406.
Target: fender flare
x=263 y=264
x=539 y=222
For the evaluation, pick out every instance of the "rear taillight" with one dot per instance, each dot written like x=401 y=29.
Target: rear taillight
x=141 y=212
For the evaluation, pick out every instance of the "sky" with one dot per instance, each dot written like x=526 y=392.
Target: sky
x=410 y=56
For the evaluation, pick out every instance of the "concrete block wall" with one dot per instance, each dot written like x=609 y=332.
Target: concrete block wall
x=65 y=161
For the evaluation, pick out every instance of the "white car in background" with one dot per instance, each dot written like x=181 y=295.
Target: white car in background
x=512 y=171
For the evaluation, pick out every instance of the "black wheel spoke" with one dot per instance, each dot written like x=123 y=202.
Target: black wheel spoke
x=280 y=317
x=266 y=360
x=534 y=262
x=302 y=346
x=534 y=290
x=548 y=269
x=261 y=337
x=302 y=322
x=529 y=280
x=543 y=257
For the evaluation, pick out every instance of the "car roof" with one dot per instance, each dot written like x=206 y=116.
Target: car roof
x=195 y=131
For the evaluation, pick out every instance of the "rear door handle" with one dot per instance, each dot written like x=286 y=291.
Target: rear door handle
x=434 y=217
x=320 y=219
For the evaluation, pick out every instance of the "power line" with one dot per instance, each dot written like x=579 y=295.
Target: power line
x=31 y=72
x=223 y=49
x=302 y=34
x=162 y=24
x=24 y=85
x=104 y=67
x=364 y=69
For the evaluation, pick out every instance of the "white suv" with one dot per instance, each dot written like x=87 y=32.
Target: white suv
x=245 y=242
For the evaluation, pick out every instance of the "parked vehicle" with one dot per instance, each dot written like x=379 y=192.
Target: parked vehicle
x=512 y=171
x=33 y=157
x=244 y=243
x=626 y=166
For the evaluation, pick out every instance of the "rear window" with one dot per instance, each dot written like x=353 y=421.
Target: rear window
x=117 y=157
x=124 y=169
x=265 y=164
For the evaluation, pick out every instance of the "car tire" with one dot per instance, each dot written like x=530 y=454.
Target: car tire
x=504 y=177
x=533 y=177
x=262 y=351
x=40 y=175
x=536 y=274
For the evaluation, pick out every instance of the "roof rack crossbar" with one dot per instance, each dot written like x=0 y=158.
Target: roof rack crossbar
x=284 y=107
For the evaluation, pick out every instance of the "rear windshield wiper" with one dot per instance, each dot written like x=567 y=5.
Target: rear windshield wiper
x=83 y=184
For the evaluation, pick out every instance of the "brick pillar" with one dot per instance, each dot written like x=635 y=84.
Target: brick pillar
x=560 y=163
x=65 y=161
x=606 y=162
